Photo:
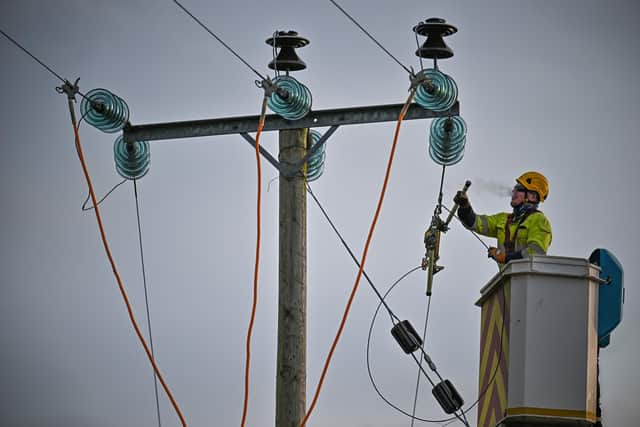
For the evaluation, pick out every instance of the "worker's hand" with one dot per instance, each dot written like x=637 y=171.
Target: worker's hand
x=497 y=254
x=461 y=199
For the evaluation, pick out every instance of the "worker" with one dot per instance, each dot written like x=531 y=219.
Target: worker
x=524 y=232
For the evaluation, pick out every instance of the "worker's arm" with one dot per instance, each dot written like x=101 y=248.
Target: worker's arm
x=487 y=225
x=465 y=211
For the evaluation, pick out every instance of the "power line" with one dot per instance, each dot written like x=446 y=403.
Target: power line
x=50 y=70
x=370 y=36
x=353 y=257
x=218 y=38
x=32 y=56
x=146 y=299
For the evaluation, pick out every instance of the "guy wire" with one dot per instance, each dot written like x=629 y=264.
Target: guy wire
x=370 y=36
x=218 y=38
x=146 y=299
x=353 y=257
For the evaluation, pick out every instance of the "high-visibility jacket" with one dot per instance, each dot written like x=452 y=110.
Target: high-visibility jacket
x=533 y=234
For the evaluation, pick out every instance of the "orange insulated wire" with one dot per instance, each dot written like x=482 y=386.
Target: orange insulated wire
x=113 y=265
x=256 y=267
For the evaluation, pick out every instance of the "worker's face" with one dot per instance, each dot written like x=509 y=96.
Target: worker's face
x=518 y=195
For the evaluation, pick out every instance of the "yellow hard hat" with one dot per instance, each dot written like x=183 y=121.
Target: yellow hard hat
x=535 y=181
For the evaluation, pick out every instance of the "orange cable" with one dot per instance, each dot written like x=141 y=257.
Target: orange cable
x=245 y=405
x=113 y=265
x=362 y=262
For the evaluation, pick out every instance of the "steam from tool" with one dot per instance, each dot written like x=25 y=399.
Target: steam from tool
x=494 y=188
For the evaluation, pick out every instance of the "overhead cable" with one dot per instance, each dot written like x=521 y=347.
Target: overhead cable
x=353 y=257
x=371 y=37
x=146 y=298
x=49 y=69
x=218 y=38
x=12 y=40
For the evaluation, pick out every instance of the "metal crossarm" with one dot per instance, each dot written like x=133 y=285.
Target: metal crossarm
x=245 y=124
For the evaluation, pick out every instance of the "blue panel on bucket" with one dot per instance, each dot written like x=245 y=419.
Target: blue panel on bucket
x=610 y=294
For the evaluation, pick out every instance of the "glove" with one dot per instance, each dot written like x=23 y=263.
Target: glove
x=461 y=199
x=497 y=254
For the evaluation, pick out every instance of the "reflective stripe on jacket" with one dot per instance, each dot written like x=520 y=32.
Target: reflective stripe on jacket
x=534 y=233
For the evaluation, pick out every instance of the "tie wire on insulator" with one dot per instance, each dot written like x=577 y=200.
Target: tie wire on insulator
x=315 y=164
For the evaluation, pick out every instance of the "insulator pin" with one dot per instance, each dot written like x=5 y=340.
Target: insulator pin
x=447 y=140
x=437 y=92
x=297 y=102
x=287 y=59
x=315 y=164
x=132 y=158
x=104 y=110
x=435 y=29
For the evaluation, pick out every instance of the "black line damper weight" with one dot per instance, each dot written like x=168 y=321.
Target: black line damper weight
x=444 y=392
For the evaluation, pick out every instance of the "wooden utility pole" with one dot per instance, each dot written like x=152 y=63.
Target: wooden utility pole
x=292 y=272
x=292 y=284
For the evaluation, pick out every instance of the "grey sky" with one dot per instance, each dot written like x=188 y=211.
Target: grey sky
x=549 y=86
